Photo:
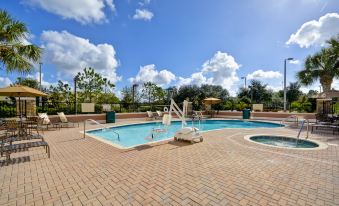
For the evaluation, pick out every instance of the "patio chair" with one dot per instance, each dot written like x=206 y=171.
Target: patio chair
x=159 y=115
x=150 y=115
x=324 y=127
x=46 y=122
x=12 y=127
x=65 y=122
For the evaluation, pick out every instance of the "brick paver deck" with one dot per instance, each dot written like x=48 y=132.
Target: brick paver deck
x=223 y=170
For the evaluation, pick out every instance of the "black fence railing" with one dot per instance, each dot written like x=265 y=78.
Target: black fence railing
x=8 y=109
x=330 y=107
x=69 y=107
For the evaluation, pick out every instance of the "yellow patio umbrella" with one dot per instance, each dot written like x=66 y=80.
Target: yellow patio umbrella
x=211 y=100
x=20 y=91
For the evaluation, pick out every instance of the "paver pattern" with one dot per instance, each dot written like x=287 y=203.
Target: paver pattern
x=225 y=169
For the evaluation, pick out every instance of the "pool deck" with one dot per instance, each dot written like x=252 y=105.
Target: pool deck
x=225 y=169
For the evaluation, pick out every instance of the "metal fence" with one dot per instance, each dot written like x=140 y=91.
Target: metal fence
x=330 y=107
x=8 y=109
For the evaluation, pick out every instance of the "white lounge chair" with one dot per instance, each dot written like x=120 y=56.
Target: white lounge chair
x=65 y=122
x=150 y=115
x=159 y=115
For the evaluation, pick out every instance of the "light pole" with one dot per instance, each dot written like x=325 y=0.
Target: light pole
x=40 y=65
x=285 y=102
x=75 y=95
x=245 y=81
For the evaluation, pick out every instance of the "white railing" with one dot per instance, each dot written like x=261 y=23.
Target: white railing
x=98 y=123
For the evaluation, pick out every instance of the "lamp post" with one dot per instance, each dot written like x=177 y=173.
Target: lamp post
x=285 y=102
x=245 y=81
x=75 y=95
x=40 y=65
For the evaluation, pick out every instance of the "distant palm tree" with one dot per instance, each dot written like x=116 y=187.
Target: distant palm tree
x=15 y=54
x=323 y=65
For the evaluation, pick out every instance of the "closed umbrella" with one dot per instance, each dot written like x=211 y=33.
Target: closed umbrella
x=20 y=91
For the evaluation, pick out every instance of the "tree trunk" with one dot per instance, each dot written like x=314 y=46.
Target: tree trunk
x=326 y=82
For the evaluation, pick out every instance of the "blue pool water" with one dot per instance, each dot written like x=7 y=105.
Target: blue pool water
x=136 y=134
x=281 y=141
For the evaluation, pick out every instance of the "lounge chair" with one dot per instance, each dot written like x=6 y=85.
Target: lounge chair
x=7 y=147
x=159 y=115
x=46 y=122
x=150 y=115
x=325 y=127
x=65 y=122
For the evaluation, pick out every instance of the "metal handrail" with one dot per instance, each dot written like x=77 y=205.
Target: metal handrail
x=98 y=123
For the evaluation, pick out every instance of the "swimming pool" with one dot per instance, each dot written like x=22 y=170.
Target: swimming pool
x=138 y=134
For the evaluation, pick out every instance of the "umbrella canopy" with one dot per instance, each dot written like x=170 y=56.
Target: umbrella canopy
x=20 y=91
x=211 y=100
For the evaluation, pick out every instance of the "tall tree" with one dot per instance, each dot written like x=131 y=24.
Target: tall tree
x=91 y=84
x=257 y=92
x=29 y=82
x=293 y=92
x=15 y=53
x=323 y=65
x=153 y=93
x=215 y=91
x=191 y=93
x=61 y=93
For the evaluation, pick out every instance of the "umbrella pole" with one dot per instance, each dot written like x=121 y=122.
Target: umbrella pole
x=19 y=108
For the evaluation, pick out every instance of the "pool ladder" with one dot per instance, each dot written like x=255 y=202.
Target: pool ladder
x=98 y=123
x=301 y=128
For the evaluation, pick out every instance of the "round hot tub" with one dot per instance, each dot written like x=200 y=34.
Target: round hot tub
x=285 y=142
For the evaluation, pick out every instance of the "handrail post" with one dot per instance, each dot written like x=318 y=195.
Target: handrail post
x=308 y=125
x=84 y=129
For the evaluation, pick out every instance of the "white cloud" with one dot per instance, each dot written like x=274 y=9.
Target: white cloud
x=274 y=88
x=335 y=84
x=195 y=79
x=260 y=74
x=44 y=83
x=149 y=73
x=71 y=54
x=296 y=61
x=219 y=70
x=144 y=3
x=316 y=32
x=83 y=11
x=143 y=14
x=5 y=81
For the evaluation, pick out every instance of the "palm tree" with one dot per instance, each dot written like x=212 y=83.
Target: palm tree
x=15 y=54
x=322 y=65
x=334 y=45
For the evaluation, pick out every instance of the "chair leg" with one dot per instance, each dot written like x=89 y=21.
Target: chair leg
x=49 y=152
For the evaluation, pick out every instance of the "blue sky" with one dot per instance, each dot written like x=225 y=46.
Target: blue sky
x=176 y=42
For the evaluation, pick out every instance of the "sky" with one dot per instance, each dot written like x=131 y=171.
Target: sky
x=175 y=42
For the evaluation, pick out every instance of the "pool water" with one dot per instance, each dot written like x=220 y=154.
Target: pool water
x=138 y=134
x=280 y=141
